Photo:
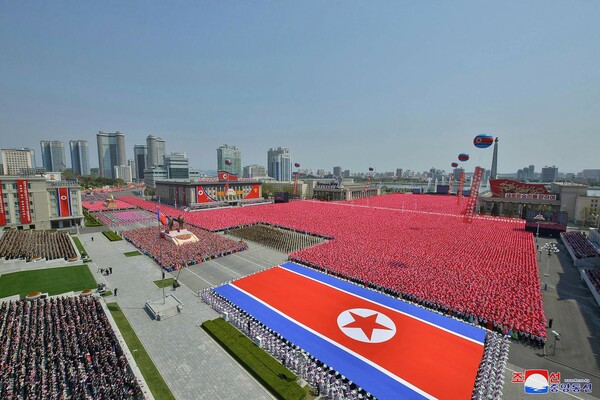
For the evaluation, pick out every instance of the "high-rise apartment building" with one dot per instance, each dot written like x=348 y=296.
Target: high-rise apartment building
x=337 y=171
x=123 y=172
x=17 y=161
x=177 y=166
x=234 y=155
x=53 y=155
x=531 y=172
x=279 y=164
x=549 y=174
x=254 y=171
x=156 y=150
x=80 y=157
x=399 y=172
x=140 y=154
x=131 y=164
x=111 y=152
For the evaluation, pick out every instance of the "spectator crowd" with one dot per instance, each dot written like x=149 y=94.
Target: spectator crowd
x=484 y=272
x=62 y=348
x=594 y=276
x=33 y=245
x=579 y=244
x=172 y=257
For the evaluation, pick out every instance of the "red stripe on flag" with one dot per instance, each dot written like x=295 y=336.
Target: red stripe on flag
x=426 y=356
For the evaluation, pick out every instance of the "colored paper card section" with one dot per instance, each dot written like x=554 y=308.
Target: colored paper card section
x=388 y=347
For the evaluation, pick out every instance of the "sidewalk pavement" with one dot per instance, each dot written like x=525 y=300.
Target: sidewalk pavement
x=192 y=364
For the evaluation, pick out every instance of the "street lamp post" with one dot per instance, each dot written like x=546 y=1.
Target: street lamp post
x=550 y=248
x=538 y=218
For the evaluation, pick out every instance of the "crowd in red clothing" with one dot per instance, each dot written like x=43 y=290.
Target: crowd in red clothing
x=485 y=272
x=62 y=348
x=171 y=257
x=579 y=244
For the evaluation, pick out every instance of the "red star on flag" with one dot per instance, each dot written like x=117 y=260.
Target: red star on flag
x=367 y=324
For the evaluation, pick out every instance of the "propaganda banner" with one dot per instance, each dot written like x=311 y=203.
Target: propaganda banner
x=2 y=209
x=23 y=200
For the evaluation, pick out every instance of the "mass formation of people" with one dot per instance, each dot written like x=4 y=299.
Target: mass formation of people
x=172 y=257
x=484 y=272
x=62 y=348
x=33 y=244
x=579 y=244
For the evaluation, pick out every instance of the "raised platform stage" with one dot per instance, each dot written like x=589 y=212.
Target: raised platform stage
x=179 y=237
x=159 y=310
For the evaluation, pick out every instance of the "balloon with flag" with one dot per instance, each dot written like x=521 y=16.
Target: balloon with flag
x=463 y=157
x=228 y=162
x=483 y=140
x=454 y=165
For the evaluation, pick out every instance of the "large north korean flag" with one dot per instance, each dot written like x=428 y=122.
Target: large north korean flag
x=63 y=196
x=390 y=348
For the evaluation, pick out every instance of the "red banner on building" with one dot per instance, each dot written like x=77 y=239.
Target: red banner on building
x=254 y=193
x=201 y=196
x=500 y=187
x=23 y=196
x=227 y=176
x=2 y=210
x=63 y=199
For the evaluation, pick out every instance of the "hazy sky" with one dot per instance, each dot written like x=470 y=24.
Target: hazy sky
x=353 y=83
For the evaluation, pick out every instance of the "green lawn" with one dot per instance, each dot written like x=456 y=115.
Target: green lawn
x=52 y=281
x=112 y=236
x=132 y=253
x=79 y=245
x=155 y=382
x=164 y=282
x=280 y=381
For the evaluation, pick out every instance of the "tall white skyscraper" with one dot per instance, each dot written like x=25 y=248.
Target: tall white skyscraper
x=156 y=150
x=53 y=155
x=232 y=154
x=279 y=164
x=80 y=157
x=111 y=152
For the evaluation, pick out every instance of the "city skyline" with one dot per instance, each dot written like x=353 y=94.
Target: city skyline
x=397 y=85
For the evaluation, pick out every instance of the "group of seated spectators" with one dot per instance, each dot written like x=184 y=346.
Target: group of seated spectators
x=62 y=348
x=102 y=205
x=579 y=244
x=171 y=257
x=123 y=218
x=332 y=383
x=485 y=271
x=594 y=276
x=34 y=245
x=283 y=240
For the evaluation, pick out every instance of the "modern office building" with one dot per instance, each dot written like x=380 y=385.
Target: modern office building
x=140 y=154
x=17 y=161
x=53 y=155
x=549 y=174
x=254 y=171
x=34 y=202
x=177 y=166
x=531 y=172
x=123 y=172
x=279 y=164
x=234 y=155
x=80 y=157
x=156 y=150
x=111 y=152
x=337 y=171
x=131 y=164
x=399 y=172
